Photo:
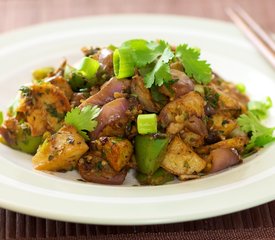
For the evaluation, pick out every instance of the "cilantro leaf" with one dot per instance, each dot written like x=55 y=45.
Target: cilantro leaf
x=161 y=71
x=83 y=119
x=260 y=135
x=1 y=118
x=200 y=70
x=144 y=52
x=260 y=109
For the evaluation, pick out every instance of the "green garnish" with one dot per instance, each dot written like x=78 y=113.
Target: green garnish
x=25 y=91
x=83 y=119
x=260 y=109
x=147 y=123
x=1 y=118
x=161 y=71
x=136 y=53
x=260 y=135
x=200 y=70
x=144 y=52
x=40 y=74
x=211 y=97
x=88 y=67
x=84 y=76
x=124 y=65
x=241 y=88
x=155 y=58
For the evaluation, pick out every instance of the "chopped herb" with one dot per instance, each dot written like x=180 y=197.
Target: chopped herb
x=83 y=119
x=186 y=164
x=151 y=56
x=211 y=97
x=260 y=135
x=53 y=112
x=260 y=109
x=26 y=91
x=161 y=70
x=224 y=122
x=200 y=70
x=144 y=52
x=99 y=165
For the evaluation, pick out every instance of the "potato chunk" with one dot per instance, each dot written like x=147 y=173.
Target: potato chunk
x=115 y=150
x=236 y=142
x=61 y=151
x=223 y=125
x=190 y=104
x=63 y=85
x=43 y=106
x=180 y=159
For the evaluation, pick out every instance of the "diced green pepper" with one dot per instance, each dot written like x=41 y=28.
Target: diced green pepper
x=241 y=88
x=149 y=152
x=84 y=76
x=39 y=74
x=25 y=142
x=158 y=178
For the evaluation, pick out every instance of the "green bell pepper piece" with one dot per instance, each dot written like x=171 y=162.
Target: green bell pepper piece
x=149 y=152
x=160 y=177
x=25 y=142
x=40 y=74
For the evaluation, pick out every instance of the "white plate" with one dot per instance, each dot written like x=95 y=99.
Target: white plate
x=58 y=197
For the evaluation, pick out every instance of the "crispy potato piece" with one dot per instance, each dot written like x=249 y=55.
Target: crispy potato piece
x=115 y=150
x=223 y=125
x=190 y=104
x=237 y=142
x=43 y=106
x=192 y=139
x=180 y=159
x=63 y=85
x=60 y=151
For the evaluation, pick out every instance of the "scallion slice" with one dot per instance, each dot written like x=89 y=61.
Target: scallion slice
x=147 y=123
x=123 y=63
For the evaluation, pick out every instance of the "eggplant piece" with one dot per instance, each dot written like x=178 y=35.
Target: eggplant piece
x=107 y=91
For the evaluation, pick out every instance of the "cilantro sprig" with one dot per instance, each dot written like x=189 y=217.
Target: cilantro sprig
x=83 y=119
x=198 y=69
x=161 y=71
x=154 y=59
x=260 y=109
x=260 y=135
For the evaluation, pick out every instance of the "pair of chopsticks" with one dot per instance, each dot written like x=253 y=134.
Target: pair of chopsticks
x=262 y=41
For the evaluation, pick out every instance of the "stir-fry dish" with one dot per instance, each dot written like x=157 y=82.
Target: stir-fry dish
x=145 y=105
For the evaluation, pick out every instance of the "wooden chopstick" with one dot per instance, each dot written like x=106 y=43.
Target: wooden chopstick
x=262 y=41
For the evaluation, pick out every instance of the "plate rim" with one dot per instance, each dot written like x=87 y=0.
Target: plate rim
x=10 y=34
